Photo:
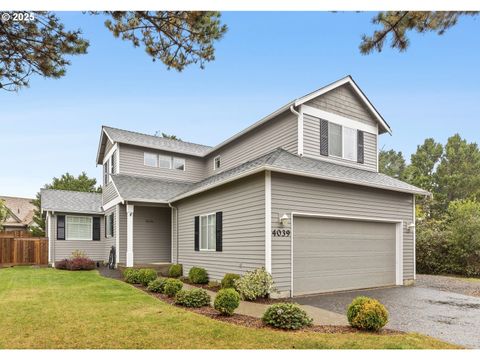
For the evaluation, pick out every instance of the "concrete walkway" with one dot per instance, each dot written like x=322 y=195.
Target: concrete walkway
x=319 y=316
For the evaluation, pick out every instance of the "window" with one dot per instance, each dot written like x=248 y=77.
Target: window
x=165 y=162
x=109 y=225
x=349 y=143
x=207 y=232
x=79 y=227
x=105 y=173
x=150 y=159
x=179 y=164
x=112 y=162
x=334 y=139
x=216 y=163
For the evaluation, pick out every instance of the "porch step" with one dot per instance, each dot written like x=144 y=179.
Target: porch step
x=160 y=268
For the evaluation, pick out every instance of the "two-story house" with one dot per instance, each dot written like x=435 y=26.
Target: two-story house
x=297 y=192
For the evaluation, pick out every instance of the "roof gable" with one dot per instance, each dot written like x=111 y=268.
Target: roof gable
x=20 y=210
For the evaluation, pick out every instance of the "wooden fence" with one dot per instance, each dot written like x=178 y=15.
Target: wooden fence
x=23 y=251
x=15 y=234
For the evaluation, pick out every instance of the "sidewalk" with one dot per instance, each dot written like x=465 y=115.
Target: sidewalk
x=319 y=316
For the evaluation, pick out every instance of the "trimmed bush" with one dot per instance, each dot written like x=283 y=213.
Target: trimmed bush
x=157 y=285
x=255 y=284
x=198 y=275
x=192 y=298
x=226 y=301
x=75 y=263
x=131 y=276
x=172 y=287
x=228 y=281
x=367 y=314
x=62 y=264
x=145 y=276
x=175 y=270
x=286 y=316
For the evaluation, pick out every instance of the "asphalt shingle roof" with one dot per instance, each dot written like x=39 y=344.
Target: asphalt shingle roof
x=21 y=208
x=155 y=142
x=147 y=189
x=71 y=201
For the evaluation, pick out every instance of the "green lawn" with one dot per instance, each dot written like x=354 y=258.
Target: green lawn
x=47 y=308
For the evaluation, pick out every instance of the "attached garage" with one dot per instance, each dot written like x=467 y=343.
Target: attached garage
x=334 y=254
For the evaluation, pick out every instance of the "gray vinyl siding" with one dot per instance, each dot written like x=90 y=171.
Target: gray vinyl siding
x=108 y=147
x=132 y=162
x=151 y=235
x=109 y=193
x=110 y=240
x=300 y=194
x=281 y=131
x=311 y=144
x=345 y=102
x=95 y=250
x=243 y=206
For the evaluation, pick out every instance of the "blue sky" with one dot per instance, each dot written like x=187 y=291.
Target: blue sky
x=264 y=61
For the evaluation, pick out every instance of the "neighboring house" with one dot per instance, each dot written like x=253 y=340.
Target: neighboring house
x=298 y=193
x=20 y=213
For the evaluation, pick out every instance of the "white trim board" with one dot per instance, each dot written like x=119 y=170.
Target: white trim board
x=398 y=240
x=268 y=221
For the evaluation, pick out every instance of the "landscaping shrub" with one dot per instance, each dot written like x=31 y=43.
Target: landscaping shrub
x=78 y=254
x=172 y=287
x=228 y=281
x=226 y=301
x=175 y=270
x=286 y=316
x=157 y=285
x=192 y=298
x=131 y=276
x=146 y=275
x=198 y=275
x=367 y=314
x=255 y=284
x=80 y=263
x=62 y=264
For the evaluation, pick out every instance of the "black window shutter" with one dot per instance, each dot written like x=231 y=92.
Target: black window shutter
x=360 y=147
x=106 y=225
x=197 y=233
x=60 y=227
x=112 y=162
x=96 y=229
x=324 y=137
x=219 y=231
x=112 y=223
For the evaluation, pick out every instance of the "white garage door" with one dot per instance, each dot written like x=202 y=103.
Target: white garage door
x=333 y=255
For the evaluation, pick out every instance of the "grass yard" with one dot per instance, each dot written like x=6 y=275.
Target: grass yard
x=47 y=308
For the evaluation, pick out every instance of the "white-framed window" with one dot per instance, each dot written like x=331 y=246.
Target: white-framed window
x=109 y=224
x=349 y=143
x=179 y=163
x=150 y=159
x=112 y=162
x=335 y=140
x=217 y=162
x=79 y=227
x=207 y=232
x=165 y=162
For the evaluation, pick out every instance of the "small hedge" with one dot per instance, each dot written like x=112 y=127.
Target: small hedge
x=198 y=275
x=76 y=263
x=286 y=316
x=255 y=284
x=226 y=301
x=157 y=285
x=175 y=270
x=172 y=287
x=367 y=314
x=228 y=281
x=145 y=276
x=194 y=298
x=131 y=276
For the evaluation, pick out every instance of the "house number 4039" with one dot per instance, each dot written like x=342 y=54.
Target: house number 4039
x=281 y=233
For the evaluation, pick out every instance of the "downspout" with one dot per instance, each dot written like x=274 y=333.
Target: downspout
x=299 y=129
x=176 y=230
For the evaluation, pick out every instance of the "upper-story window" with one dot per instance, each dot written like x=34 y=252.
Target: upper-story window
x=150 y=159
x=179 y=164
x=343 y=142
x=165 y=162
x=105 y=173
x=217 y=163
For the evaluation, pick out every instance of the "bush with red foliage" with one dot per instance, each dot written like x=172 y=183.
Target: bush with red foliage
x=62 y=264
x=78 y=263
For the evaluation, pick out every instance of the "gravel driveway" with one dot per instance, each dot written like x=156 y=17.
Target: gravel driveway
x=470 y=287
x=445 y=315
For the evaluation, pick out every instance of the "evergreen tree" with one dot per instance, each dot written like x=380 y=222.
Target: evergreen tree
x=391 y=163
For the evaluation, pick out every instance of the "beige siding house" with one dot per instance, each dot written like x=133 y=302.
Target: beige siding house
x=297 y=192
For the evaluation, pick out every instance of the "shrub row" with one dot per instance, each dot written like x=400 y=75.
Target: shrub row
x=139 y=276
x=76 y=263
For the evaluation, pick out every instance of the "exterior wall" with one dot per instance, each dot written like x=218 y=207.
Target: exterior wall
x=122 y=246
x=132 y=162
x=243 y=206
x=311 y=144
x=279 y=132
x=108 y=146
x=109 y=240
x=344 y=102
x=300 y=194
x=95 y=250
x=109 y=193
x=151 y=235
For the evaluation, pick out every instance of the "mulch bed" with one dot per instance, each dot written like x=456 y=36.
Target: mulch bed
x=253 y=322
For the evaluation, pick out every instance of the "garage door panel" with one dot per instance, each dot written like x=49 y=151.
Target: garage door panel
x=332 y=255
